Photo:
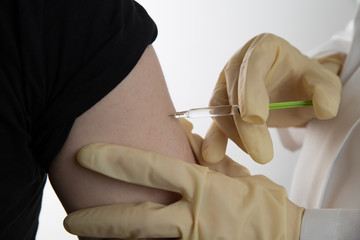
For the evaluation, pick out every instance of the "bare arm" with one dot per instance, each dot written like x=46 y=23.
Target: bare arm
x=135 y=114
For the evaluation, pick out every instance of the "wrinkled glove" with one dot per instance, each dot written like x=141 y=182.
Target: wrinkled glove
x=268 y=69
x=319 y=224
x=213 y=206
x=226 y=166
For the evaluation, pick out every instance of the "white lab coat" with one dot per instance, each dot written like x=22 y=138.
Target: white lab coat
x=327 y=174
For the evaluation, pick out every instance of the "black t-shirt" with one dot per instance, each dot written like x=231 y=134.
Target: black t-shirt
x=57 y=59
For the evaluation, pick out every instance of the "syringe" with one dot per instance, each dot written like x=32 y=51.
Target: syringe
x=227 y=110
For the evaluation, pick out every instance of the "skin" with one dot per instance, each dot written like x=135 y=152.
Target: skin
x=135 y=114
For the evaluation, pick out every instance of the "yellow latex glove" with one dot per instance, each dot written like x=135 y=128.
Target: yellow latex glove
x=213 y=206
x=269 y=69
x=226 y=166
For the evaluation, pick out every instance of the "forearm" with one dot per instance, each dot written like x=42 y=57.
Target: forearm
x=135 y=114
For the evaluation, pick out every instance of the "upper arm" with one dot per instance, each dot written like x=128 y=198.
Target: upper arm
x=135 y=114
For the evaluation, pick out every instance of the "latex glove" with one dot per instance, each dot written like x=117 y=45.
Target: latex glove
x=213 y=206
x=269 y=69
x=331 y=224
x=226 y=166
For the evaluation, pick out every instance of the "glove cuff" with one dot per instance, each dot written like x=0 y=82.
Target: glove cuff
x=293 y=220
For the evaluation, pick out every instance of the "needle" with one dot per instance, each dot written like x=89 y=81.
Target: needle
x=227 y=110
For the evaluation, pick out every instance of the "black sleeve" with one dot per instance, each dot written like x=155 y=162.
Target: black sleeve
x=57 y=59
x=90 y=46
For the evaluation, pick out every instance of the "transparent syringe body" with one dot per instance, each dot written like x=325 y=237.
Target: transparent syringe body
x=227 y=110
x=215 y=111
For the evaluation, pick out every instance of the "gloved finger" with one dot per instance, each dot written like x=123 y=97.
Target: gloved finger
x=253 y=95
x=227 y=126
x=128 y=221
x=324 y=88
x=226 y=166
x=142 y=167
x=196 y=142
x=186 y=125
x=214 y=145
x=256 y=139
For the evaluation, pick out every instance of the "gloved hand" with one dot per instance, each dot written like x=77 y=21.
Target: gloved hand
x=269 y=69
x=213 y=206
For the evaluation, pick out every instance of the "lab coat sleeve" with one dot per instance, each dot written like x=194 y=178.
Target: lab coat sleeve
x=335 y=224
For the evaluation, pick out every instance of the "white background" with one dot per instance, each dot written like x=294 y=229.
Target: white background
x=196 y=38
